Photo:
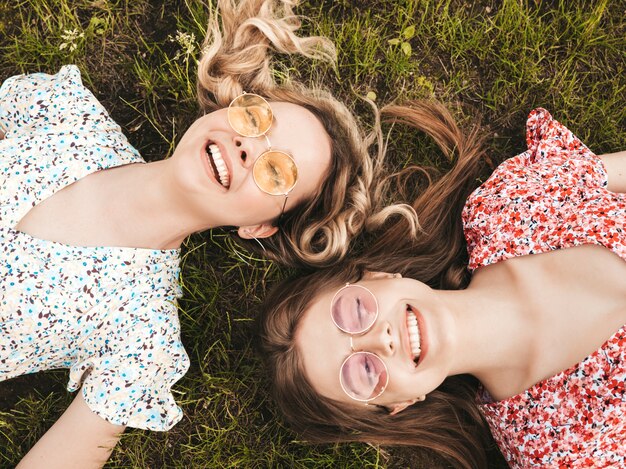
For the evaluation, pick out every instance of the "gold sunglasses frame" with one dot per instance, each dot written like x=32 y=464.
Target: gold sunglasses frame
x=262 y=156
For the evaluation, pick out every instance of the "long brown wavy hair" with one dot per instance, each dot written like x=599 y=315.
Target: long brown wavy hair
x=448 y=421
x=237 y=56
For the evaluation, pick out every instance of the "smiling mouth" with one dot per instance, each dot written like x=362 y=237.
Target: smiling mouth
x=414 y=334
x=220 y=170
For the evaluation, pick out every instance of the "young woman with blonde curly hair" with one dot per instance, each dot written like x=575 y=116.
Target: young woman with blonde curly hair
x=90 y=233
x=406 y=345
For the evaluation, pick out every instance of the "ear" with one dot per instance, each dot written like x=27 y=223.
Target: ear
x=369 y=275
x=397 y=408
x=264 y=230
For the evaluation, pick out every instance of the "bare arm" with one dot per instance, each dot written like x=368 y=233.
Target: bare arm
x=615 y=164
x=79 y=439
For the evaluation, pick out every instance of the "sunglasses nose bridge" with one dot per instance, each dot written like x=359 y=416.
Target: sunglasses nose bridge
x=267 y=141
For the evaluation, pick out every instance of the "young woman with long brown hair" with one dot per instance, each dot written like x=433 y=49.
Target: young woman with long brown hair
x=406 y=345
x=90 y=233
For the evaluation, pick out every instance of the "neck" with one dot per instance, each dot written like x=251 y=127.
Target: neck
x=147 y=208
x=492 y=335
x=525 y=319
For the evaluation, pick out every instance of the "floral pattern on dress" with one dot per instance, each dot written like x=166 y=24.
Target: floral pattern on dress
x=554 y=196
x=108 y=314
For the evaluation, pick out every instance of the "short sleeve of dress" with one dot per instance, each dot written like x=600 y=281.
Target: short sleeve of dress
x=130 y=382
x=54 y=102
x=16 y=94
x=548 y=139
x=552 y=196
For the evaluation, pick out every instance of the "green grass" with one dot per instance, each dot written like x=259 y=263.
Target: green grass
x=492 y=61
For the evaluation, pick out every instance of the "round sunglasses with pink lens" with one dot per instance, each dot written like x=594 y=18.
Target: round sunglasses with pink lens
x=363 y=375
x=354 y=309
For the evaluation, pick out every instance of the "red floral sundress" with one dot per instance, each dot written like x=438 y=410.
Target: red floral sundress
x=554 y=196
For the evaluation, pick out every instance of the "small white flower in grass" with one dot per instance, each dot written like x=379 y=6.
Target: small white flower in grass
x=71 y=37
x=188 y=44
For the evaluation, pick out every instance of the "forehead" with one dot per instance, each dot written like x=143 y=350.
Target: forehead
x=294 y=116
x=298 y=130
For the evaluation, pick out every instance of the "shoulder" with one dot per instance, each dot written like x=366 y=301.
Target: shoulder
x=51 y=103
x=585 y=403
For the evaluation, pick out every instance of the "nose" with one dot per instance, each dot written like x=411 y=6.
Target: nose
x=249 y=149
x=379 y=340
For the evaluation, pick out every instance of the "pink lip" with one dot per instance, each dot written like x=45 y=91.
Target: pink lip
x=422 y=331
x=423 y=336
x=227 y=161
x=207 y=166
x=406 y=342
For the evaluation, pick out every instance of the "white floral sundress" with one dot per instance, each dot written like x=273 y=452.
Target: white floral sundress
x=108 y=314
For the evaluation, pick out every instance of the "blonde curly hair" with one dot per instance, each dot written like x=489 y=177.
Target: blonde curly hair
x=237 y=55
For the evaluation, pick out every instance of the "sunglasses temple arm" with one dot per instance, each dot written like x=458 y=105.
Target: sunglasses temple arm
x=260 y=243
x=282 y=212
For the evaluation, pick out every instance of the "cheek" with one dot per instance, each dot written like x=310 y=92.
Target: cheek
x=250 y=196
x=257 y=204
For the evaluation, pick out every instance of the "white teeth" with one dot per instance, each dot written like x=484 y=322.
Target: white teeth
x=222 y=170
x=414 y=333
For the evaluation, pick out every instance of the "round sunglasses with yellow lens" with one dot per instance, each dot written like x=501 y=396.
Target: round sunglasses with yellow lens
x=274 y=171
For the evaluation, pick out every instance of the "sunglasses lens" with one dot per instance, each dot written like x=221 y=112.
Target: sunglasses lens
x=250 y=115
x=275 y=172
x=364 y=376
x=354 y=309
